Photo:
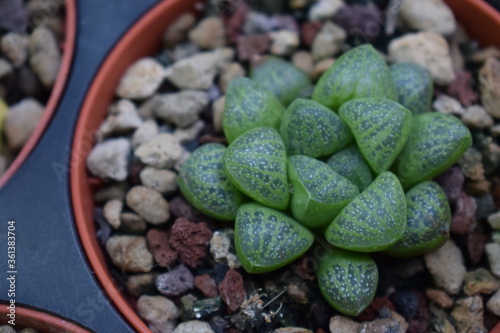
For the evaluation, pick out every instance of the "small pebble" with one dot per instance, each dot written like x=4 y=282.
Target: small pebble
x=147 y=131
x=440 y=298
x=493 y=304
x=471 y=165
x=285 y=22
x=328 y=41
x=324 y=9
x=196 y=72
x=191 y=241
x=451 y=181
x=448 y=105
x=207 y=285
x=462 y=87
x=222 y=248
x=381 y=326
x=183 y=51
x=218 y=113
x=45 y=58
x=386 y=313
x=181 y=109
x=442 y=325
x=250 y=46
x=160 y=313
x=468 y=315
x=113 y=191
x=447 y=267
x=163 y=151
x=484 y=54
x=141 y=284
x=130 y=253
x=480 y=281
x=284 y=42
x=111 y=211
x=21 y=120
x=15 y=48
x=209 y=33
x=428 y=50
x=406 y=302
x=141 y=80
x=493 y=252
x=158 y=243
x=495 y=130
x=159 y=180
x=122 y=118
x=149 y=204
x=257 y=23
x=303 y=60
x=292 y=330
x=428 y=15
x=297 y=292
x=232 y=290
x=489 y=81
x=132 y=223
x=5 y=68
x=321 y=67
x=363 y=22
x=494 y=220
x=7 y=329
x=464 y=217
x=193 y=326
x=341 y=324
x=199 y=309
x=188 y=135
x=176 y=282
x=178 y=31
x=477 y=117
x=229 y=72
x=109 y=159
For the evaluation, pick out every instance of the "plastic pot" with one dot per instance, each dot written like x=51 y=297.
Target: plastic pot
x=142 y=40
x=55 y=96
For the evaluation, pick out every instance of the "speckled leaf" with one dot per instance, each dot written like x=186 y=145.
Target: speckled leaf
x=360 y=72
x=266 y=239
x=429 y=221
x=414 y=87
x=374 y=220
x=381 y=128
x=256 y=164
x=204 y=183
x=249 y=106
x=436 y=142
x=348 y=281
x=281 y=77
x=319 y=193
x=311 y=129
x=349 y=163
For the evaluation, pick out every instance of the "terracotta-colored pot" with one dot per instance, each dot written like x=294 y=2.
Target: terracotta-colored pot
x=41 y=321
x=55 y=97
x=142 y=40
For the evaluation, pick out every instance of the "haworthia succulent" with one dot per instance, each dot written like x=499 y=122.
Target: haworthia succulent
x=249 y=106
x=266 y=239
x=204 y=183
x=381 y=128
x=319 y=193
x=311 y=129
x=349 y=163
x=437 y=141
x=360 y=72
x=281 y=77
x=414 y=87
x=374 y=220
x=429 y=220
x=348 y=281
x=256 y=164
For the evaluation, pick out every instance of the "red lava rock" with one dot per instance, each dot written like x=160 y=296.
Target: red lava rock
x=365 y=22
x=206 y=285
x=416 y=326
x=422 y=313
x=235 y=19
x=452 y=182
x=461 y=88
x=207 y=138
x=464 y=218
x=191 y=241
x=309 y=30
x=372 y=311
x=232 y=290
x=251 y=46
x=159 y=245
x=475 y=246
x=179 y=207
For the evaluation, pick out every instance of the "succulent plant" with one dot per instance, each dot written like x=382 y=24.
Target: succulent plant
x=271 y=181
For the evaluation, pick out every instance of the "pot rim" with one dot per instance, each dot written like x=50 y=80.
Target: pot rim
x=55 y=95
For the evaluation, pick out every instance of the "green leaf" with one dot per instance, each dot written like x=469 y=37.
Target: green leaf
x=436 y=142
x=311 y=129
x=374 y=220
x=348 y=281
x=319 y=193
x=256 y=164
x=381 y=128
x=204 y=183
x=282 y=78
x=349 y=163
x=429 y=221
x=360 y=72
x=249 y=106
x=266 y=239
x=414 y=87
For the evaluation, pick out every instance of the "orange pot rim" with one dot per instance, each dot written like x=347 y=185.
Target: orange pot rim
x=55 y=96
x=42 y=321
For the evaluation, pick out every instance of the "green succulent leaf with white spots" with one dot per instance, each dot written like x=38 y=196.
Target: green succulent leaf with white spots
x=311 y=129
x=414 y=87
x=256 y=164
x=437 y=142
x=204 y=183
x=248 y=106
x=374 y=220
x=360 y=72
x=266 y=239
x=428 y=224
x=282 y=78
x=381 y=128
x=348 y=281
x=349 y=163
x=319 y=193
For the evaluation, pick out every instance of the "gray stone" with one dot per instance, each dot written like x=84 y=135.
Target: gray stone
x=176 y=282
x=141 y=284
x=494 y=220
x=7 y=329
x=480 y=281
x=5 y=68
x=381 y=326
x=163 y=151
x=222 y=248
x=196 y=72
x=448 y=105
x=428 y=15
x=229 y=72
x=15 y=48
x=146 y=132
x=257 y=23
x=130 y=253
x=328 y=41
x=468 y=315
x=45 y=58
x=292 y=330
x=141 y=80
x=191 y=133
x=489 y=82
x=109 y=159
x=284 y=42
x=477 y=117
x=218 y=113
x=303 y=60
x=149 y=204
x=209 y=33
x=113 y=191
x=193 y=326
x=181 y=109
x=493 y=304
x=132 y=223
x=20 y=122
x=495 y=131
x=111 y=211
x=493 y=253
x=122 y=118
x=159 y=312
x=324 y=9
x=178 y=30
x=160 y=180
x=341 y=324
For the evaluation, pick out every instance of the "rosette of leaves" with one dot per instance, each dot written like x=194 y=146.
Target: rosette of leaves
x=414 y=87
x=319 y=193
x=360 y=72
x=282 y=78
x=311 y=129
